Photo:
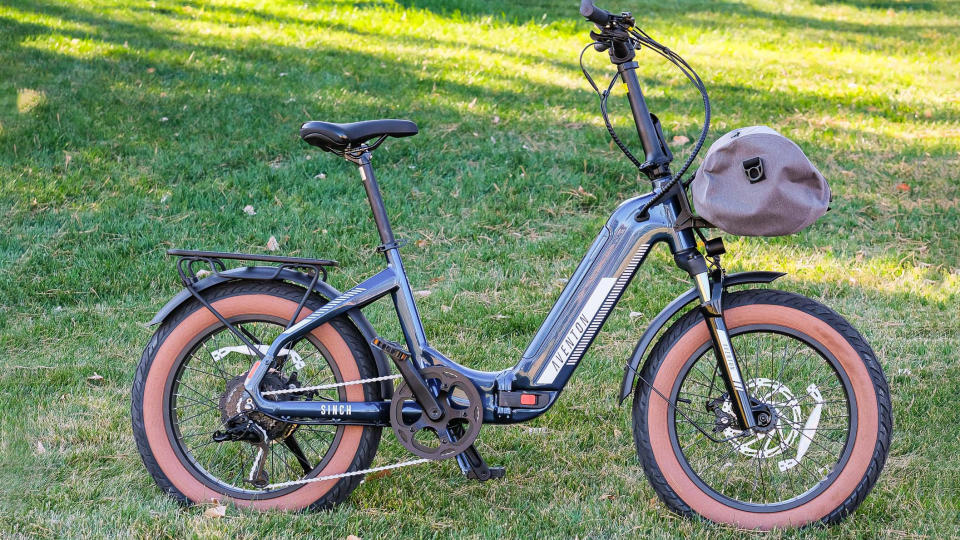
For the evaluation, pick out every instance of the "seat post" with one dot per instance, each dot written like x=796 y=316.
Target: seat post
x=376 y=200
x=410 y=322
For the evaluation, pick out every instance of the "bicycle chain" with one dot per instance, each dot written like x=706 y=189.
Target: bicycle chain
x=342 y=475
x=282 y=485
x=328 y=386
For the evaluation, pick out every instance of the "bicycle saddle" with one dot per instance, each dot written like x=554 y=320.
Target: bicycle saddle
x=336 y=137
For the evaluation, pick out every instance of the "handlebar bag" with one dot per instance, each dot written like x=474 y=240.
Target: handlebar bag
x=755 y=182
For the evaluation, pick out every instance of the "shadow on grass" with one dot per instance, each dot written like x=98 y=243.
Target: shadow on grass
x=205 y=119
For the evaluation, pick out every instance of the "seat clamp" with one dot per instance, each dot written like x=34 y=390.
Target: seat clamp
x=396 y=244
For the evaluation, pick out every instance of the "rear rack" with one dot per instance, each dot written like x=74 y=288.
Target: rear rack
x=190 y=260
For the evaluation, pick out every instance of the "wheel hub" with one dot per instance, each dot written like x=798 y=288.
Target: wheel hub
x=235 y=401
x=771 y=436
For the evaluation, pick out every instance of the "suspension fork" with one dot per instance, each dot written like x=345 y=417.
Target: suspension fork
x=710 y=288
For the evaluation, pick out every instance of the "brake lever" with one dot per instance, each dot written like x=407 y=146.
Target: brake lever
x=608 y=36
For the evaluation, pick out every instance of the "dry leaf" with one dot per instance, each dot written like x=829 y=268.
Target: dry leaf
x=903 y=187
x=215 y=512
x=421 y=243
x=321 y=176
x=680 y=139
x=67 y=158
x=445 y=309
x=498 y=316
x=202 y=273
x=635 y=314
x=272 y=244
x=248 y=210
x=353 y=537
x=496 y=119
x=378 y=474
x=95 y=378
x=606 y=497
x=422 y=294
x=472 y=103
x=537 y=430
x=40 y=448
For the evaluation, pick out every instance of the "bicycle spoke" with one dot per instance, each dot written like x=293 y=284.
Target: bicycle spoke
x=203 y=383
x=785 y=374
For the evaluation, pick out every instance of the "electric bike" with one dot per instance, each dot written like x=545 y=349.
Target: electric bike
x=266 y=386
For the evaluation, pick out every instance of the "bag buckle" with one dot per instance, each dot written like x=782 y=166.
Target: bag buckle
x=753 y=168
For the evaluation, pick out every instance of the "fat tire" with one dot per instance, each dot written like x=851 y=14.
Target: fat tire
x=366 y=365
x=643 y=394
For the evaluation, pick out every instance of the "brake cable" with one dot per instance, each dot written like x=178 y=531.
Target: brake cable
x=603 y=106
x=644 y=39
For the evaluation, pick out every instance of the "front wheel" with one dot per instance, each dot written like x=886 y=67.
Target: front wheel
x=826 y=416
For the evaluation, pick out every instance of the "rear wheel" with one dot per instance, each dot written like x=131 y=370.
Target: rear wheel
x=190 y=382
x=823 y=416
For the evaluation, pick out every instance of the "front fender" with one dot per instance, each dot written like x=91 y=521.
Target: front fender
x=633 y=367
x=322 y=288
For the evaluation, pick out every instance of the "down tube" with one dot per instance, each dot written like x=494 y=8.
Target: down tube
x=591 y=294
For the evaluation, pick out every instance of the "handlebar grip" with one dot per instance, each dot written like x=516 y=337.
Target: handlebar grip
x=594 y=14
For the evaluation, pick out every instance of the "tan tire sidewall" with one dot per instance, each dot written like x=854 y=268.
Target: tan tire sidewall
x=181 y=337
x=867 y=419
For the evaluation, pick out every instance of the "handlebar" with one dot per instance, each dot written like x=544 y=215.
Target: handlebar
x=596 y=15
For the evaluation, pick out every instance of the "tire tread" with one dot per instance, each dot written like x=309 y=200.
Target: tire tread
x=764 y=296
x=369 y=442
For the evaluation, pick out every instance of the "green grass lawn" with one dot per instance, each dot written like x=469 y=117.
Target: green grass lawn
x=129 y=127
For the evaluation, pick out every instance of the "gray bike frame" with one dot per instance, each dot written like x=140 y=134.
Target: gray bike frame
x=558 y=346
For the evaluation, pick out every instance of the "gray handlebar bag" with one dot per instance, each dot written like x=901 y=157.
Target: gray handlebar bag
x=755 y=182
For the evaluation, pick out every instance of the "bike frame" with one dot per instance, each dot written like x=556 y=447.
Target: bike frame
x=532 y=386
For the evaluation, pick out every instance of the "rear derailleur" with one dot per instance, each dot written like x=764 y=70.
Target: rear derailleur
x=243 y=423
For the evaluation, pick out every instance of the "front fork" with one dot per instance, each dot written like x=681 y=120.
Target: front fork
x=710 y=287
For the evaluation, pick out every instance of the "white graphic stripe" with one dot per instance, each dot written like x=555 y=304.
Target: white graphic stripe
x=601 y=301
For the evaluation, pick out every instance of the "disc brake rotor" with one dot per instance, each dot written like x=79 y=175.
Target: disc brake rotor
x=455 y=430
x=780 y=436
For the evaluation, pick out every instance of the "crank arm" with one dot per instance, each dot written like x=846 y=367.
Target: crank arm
x=412 y=376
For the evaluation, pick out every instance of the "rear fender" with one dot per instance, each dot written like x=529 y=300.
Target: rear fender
x=633 y=367
x=266 y=272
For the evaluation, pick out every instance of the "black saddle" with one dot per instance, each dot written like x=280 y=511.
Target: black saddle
x=338 y=137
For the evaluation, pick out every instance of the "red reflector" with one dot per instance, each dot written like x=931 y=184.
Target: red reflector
x=254 y=368
x=528 y=399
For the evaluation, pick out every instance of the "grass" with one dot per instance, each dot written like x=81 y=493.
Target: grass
x=129 y=127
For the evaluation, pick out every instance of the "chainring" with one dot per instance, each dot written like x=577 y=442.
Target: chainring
x=455 y=430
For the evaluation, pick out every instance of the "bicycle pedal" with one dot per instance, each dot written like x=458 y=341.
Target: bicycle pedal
x=392 y=349
x=487 y=473
x=475 y=468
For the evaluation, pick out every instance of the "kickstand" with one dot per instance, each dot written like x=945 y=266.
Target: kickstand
x=474 y=467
